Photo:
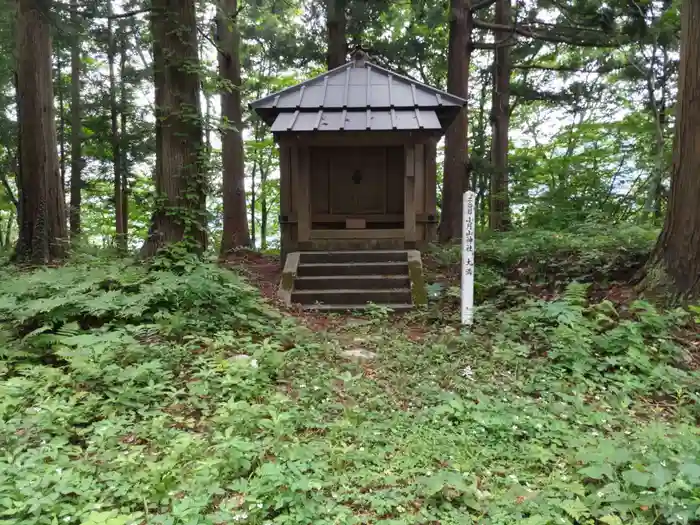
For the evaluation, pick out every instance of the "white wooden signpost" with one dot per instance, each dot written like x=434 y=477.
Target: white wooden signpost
x=468 y=219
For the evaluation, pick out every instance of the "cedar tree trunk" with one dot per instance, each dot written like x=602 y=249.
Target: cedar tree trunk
x=236 y=233
x=180 y=182
x=264 y=209
x=674 y=267
x=115 y=137
x=500 y=120
x=76 y=126
x=124 y=166
x=335 y=25
x=42 y=234
x=455 y=172
x=58 y=85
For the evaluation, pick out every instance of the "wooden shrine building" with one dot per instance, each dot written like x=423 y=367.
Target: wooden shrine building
x=358 y=158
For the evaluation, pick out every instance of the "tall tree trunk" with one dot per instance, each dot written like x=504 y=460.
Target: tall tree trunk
x=499 y=218
x=264 y=209
x=479 y=152
x=336 y=29
x=180 y=183
x=8 y=231
x=42 y=233
x=656 y=178
x=115 y=136
x=76 y=154
x=236 y=233
x=257 y=157
x=124 y=168
x=61 y=121
x=455 y=172
x=253 y=201
x=674 y=267
x=207 y=122
x=158 y=83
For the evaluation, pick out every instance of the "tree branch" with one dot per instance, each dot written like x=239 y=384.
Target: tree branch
x=569 y=69
x=206 y=37
x=93 y=13
x=545 y=37
x=130 y=13
x=8 y=189
x=482 y=5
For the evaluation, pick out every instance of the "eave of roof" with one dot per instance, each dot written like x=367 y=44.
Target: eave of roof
x=357 y=120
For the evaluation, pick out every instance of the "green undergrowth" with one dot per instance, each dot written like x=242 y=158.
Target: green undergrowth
x=137 y=395
x=535 y=260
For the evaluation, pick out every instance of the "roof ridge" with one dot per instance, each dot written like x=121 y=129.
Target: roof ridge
x=453 y=100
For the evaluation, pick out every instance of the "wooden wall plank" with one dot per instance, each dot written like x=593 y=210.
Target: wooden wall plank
x=419 y=190
x=319 y=180
x=304 y=190
x=358 y=138
x=357 y=234
x=287 y=198
x=419 y=173
x=285 y=183
x=431 y=188
x=410 y=196
x=342 y=217
x=395 y=173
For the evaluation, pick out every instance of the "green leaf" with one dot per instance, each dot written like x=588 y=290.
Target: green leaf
x=574 y=508
x=637 y=477
x=660 y=476
x=691 y=471
x=110 y=518
x=597 y=471
x=611 y=519
x=537 y=519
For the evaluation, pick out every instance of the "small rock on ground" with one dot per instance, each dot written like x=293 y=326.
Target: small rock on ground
x=358 y=354
x=354 y=322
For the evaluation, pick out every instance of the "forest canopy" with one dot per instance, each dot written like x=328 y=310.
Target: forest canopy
x=570 y=116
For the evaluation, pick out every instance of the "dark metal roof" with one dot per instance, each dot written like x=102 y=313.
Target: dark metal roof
x=373 y=120
x=358 y=95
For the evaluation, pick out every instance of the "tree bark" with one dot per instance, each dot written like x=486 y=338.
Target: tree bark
x=236 y=233
x=76 y=154
x=336 y=28
x=8 y=231
x=674 y=267
x=499 y=219
x=264 y=208
x=42 y=233
x=478 y=182
x=455 y=172
x=61 y=121
x=115 y=135
x=253 y=202
x=180 y=184
x=124 y=167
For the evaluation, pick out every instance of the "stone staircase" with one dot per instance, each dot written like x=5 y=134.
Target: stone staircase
x=349 y=280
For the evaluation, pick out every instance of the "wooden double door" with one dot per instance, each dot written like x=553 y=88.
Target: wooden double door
x=357 y=183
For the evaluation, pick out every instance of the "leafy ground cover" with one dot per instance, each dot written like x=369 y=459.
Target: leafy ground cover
x=172 y=394
x=513 y=266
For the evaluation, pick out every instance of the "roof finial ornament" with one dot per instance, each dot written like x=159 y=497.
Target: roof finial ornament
x=359 y=56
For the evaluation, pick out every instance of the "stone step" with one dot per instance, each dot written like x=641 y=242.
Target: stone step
x=361 y=268
x=353 y=257
x=352 y=282
x=352 y=296
x=398 y=307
